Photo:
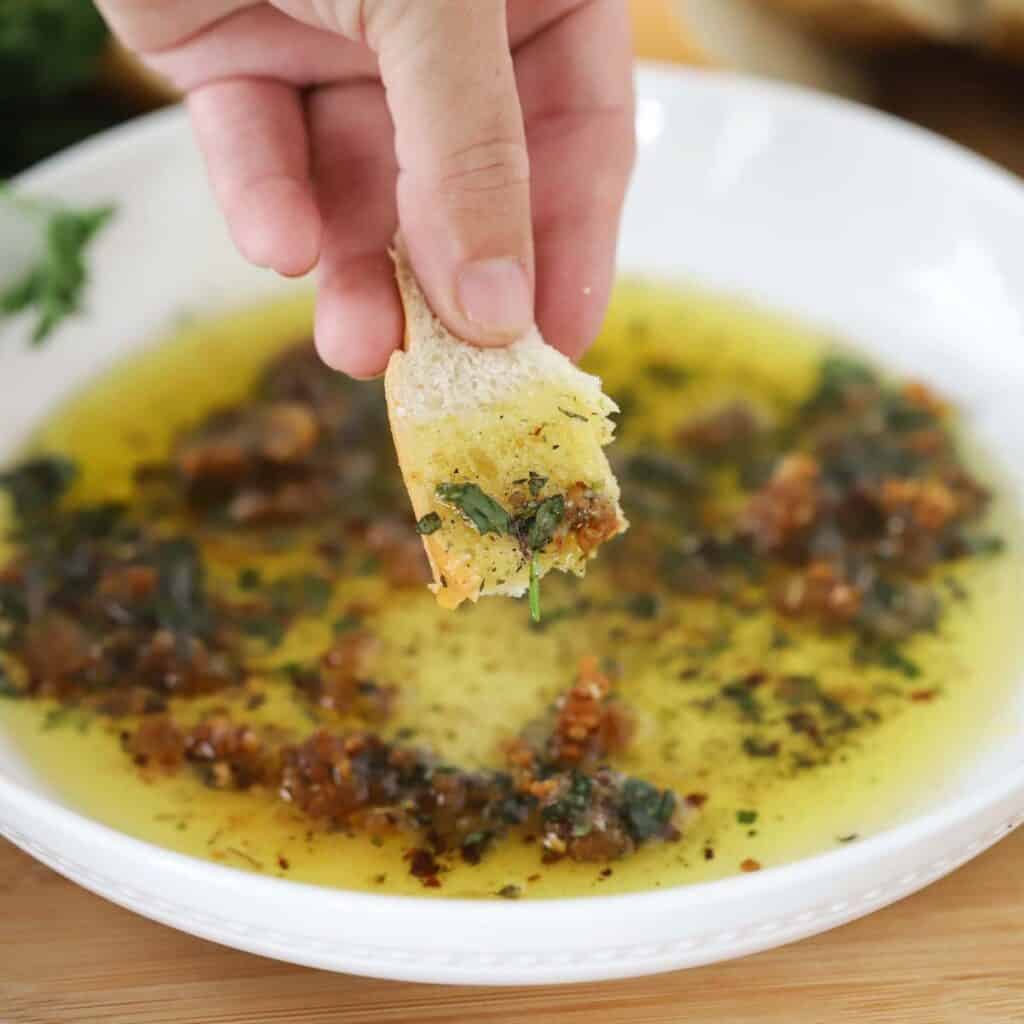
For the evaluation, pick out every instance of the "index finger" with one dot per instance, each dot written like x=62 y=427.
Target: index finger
x=576 y=86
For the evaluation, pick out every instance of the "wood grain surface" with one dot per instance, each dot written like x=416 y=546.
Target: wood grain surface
x=953 y=954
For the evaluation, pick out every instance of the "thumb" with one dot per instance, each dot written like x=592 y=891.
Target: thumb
x=464 y=180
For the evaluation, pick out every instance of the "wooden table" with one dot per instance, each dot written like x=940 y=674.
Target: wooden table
x=953 y=954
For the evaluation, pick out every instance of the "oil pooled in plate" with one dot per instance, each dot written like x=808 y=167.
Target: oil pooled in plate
x=758 y=792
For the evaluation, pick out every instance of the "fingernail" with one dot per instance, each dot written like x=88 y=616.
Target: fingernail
x=495 y=294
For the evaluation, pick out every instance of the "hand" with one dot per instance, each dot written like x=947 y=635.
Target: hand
x=498 y=134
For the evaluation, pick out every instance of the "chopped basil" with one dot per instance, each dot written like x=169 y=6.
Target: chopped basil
x=536 y=483
x=546 y=520
x=479 y=508
x=36 y=486
x=839 y=378
x=647 y=809
x=430 y=523
x=181 y=603
x=533 y=528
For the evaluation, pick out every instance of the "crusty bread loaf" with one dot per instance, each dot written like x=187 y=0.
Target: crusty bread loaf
x=1003 y=27
x=745 y=35
x=521 y=423
x=888 y=21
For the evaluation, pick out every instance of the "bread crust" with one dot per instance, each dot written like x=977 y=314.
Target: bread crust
x=452 y=584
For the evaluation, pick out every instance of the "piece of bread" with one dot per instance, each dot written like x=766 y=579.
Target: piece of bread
x=1003 y=27
x=888 y=21
x=745 y=35
x=522 y=424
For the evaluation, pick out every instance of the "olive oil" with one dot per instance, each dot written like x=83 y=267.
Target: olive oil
x=469 y=680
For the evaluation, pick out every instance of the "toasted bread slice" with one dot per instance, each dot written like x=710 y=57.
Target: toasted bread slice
x=1003 y=27
x=746 y=35
x=484 y=438
x=888 y=21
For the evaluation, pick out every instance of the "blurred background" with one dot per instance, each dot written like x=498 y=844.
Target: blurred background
x=956 y=66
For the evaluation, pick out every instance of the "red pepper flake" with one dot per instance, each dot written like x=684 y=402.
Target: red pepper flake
x=709 y=853
x=533 y=878
x=283 y=863
x=750 y=865
x=433 y=882
x=696 y=799
x=606 y=873
x=923 y=696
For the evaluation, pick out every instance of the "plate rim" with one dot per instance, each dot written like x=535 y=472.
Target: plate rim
x=158 y=129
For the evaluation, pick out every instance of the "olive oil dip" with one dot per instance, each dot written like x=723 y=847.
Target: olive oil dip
x=215 y=633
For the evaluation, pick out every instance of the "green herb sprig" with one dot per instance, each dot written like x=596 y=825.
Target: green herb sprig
x=53 y=287
x=533 y=527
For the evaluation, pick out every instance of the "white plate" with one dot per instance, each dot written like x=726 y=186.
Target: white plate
x=902 y=242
